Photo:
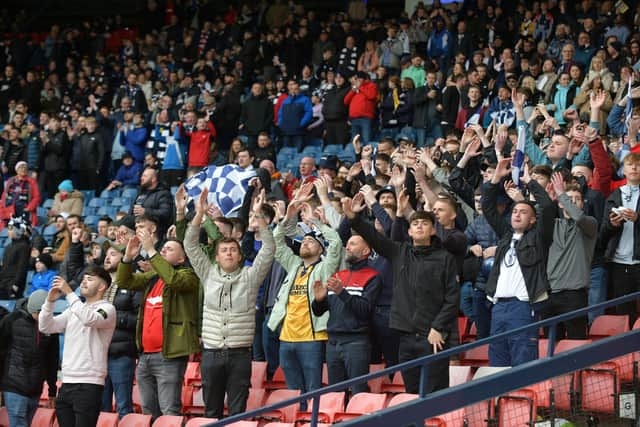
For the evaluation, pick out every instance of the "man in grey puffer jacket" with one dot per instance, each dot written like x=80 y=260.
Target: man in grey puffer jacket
x=228 y=318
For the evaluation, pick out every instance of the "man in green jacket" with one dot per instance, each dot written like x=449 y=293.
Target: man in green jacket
x=166 y=331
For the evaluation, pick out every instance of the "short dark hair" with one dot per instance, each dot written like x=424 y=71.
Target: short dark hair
x=228 y=240
x=147 y=217
x=106 y=219
x=100 y=272
x=544 y=170
x=429 y=216
x=269 y=212
x=528 y=203
x=238 y=223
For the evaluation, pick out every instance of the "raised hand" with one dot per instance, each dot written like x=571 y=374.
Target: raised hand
x=473 y=149
x=355 y=170
x=181 y=199
x=513 y=191
x=369 y=195
x=133 y=248
x=403 y=202
x=305 y=193
x=517 y=98
x=201 y=202
x=503 y=169
x=214 y=212
x=557 y=181
x=357 y=204
x=335 y=285
x=319 y=291
x=501 y=138
x=357 y=146
x=367 y=151
x=597 y=99
x=259 y=202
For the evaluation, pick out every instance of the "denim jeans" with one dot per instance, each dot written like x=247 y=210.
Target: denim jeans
x=597 y=290
x=271 y=345
x=361 y=126
x=226 y=370
x=348 y=357
x=160 y=384
x=302 y=365
x=482 y=313
x=466 y=301
x=119 y=381
x=78 y=405
x=518 y=348
x=20 y=409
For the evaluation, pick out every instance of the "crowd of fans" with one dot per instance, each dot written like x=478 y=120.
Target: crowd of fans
x=495 y=175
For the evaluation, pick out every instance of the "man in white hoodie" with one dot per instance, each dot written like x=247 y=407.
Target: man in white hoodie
x=88 y=328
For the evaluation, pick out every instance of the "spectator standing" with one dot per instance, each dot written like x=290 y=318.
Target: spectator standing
x=349 y=296
x=88 y=328
x=335 y=112
x=228 y=324
x=256 y=115
x=15 y=260
x=362 y=100
x=21 y=196
x=390 y=51
x=27 y=359
x=170 y=298
x=426 y=293
x=295 y=114
x=154 y=199
x=121 y=363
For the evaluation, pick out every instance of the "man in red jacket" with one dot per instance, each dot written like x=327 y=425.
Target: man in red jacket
x=361 y=101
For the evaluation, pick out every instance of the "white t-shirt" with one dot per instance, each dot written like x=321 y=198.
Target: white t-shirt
x=511 y=281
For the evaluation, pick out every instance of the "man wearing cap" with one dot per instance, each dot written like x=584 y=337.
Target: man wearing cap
x=166 y=329
x=424 y=307
x=67 y=200
x=43 y=278
x=122 y=350
x=328 y=166
x=303 y=333
x=361 y=99
x=20 y=196
x=88 y=328
x=27 y=359
x=128 y=174
x=335 y=111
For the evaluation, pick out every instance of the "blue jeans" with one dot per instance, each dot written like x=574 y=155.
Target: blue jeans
x=482 y=313
x=519 y=348
x=385 y=340
x=21 y=409
x=466 y=301
x=348 y=357
x=361 y=126
x=302 y=365
x=597 y=290
x=119 y=381
x=428 y=136
x=293 y=141
x=271 y=345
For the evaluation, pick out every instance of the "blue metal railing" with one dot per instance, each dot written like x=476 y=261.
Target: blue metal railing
x=551 y=366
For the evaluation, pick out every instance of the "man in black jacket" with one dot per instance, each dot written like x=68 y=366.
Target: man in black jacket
x=15 y=260
x=620 y=233
x=122 y=351
x=55 y=152
x=518 y=281
x=256 y=115
x=27 y=358
x=350 y=296
x=427 y=104
x=155 y=200
x=426 y=293
x=335 y=112
x=90 y=154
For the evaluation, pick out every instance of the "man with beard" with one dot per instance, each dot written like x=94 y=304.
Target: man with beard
x=122 y=350
x=154 y=199
x=349 y=296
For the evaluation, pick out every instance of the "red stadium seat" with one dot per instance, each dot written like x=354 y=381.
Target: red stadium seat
x=199 y=421
x=565 y=387
x=375 y=385
x=608 y=325
x=168 y=421
x=599 y=388
x=44 y=417
x=330 y=403
x=256 y=398
x=258 y=374
x=197 y=404
x=396 y=386
x=192 y=374
x=401 y=398
x=543 y=348
x=463 y=325
x=517 y=408
x=276 y=424
x=108 y=419
x=277 y=382
x=286 y=414
x=361 y=403
x=135 y=397
x=135 y=420
x=477 y=356
x=4 y=417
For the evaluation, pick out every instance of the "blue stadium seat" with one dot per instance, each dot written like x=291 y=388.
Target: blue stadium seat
x=42 y=212
x=130 y=193
x=9 y=304
x=4 y=233
x=30 y=275
x=108 y=211
x=317 y=142
x=48 y=204
x=110 y=194
x=88 y=195
x=97 y=202
x=91 y=220
x=49 y=231
x=87 y=211
x=289 y=151
x=332 y=149
x=311 y=149
x=117 y=201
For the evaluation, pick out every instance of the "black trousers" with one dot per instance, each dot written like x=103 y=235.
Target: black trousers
x=337 y=132
x=88 y=179
x=624 y=280
x=78 y=405
x=226 y=370
x=413 y=346
x=564 y=302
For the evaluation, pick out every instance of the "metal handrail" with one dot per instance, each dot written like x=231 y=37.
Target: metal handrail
x=423 y=363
